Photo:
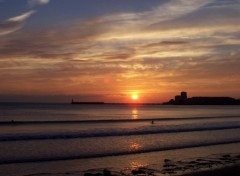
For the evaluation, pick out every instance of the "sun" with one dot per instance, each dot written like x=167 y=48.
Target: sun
x=135 y=97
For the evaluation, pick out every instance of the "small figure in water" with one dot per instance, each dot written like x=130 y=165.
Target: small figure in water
x=152 y=122
x=12 y=122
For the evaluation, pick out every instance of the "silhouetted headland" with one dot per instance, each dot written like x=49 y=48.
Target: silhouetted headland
x=184 y=100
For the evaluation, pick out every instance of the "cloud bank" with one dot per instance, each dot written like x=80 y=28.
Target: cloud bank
x=179 y=45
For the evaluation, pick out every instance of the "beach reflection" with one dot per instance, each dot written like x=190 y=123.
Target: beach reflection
x=134 y=114
x=137 y=164
x=134 y=147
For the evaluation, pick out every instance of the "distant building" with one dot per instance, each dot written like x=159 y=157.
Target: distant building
x=178 y=98
x=184 y=95
x=181 y=98
x=184 y=100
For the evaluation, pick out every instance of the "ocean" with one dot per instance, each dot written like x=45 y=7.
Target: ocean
x=66 y=139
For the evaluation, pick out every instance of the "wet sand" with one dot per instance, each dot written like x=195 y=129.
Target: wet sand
x=227 y=171
x=215 y=165
x=212 y=165
x=224 y=164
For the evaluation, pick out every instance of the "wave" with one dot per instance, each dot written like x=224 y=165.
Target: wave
x=14 y=122
x=144 y=130
x=116 y=153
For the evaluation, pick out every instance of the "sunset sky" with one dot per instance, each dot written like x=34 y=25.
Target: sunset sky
x=108 y=50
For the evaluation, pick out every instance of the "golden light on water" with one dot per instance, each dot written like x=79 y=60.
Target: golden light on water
x=137 y=164
x=134 y=114
x=134 y=147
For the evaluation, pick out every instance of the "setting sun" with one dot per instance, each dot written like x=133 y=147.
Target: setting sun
x=134 y=96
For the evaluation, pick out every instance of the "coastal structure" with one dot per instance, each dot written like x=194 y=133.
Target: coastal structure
x=104 y=103
x=88 y=102
x=182 y=99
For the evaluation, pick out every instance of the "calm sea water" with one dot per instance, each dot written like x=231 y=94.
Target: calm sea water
x=65 y=134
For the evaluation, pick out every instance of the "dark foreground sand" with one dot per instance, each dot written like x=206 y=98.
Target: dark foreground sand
x=227 y=171
x=213 y=165
x=216 y=165
x=223 y=171
x=233 y=170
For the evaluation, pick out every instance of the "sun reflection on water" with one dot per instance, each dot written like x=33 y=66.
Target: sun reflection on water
x=134 y=114
x=134 y=147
